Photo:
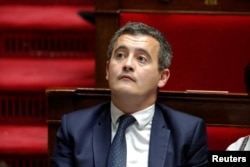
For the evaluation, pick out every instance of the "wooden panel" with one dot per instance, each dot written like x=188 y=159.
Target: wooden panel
x=219 y=109
x=225 y=109
x=107 y=5
x=106 y=33
x=106 y=23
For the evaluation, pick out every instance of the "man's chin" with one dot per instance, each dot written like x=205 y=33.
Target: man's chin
x=123 y=90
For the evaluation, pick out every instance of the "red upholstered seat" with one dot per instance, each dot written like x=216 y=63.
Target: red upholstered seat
x=32 y=17
x=45 y=31
x=220 y=137
x=45 y=46
x=23 y=139
x=35 y=75
x=41 y=45
x=39 y=74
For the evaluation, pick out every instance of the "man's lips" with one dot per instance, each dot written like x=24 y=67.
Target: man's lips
x=126 y=77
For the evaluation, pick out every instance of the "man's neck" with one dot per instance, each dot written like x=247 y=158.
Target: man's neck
x=132 y=105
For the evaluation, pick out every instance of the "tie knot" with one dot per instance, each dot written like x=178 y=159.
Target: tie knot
x=125 y=121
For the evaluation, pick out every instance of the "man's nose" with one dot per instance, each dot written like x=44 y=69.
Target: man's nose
x=128 y=64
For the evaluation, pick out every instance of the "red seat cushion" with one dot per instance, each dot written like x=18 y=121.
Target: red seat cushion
x=44 y=17
x=18 y=72
x=220 y=137
x=23 y=139
x=39 y=74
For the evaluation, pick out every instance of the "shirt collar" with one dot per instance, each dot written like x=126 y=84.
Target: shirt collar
x=143 y=117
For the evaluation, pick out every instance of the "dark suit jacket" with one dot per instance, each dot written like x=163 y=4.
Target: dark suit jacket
x=177 y=139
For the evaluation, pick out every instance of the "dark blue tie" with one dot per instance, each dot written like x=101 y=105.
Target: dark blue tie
x=118 y=150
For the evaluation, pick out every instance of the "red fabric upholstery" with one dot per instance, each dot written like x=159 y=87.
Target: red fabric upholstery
x=219 y=137
x=44 y=18
x=35 y=74
x=210 y=51
x=39 y=74
x=23 y=139
x=48 y=2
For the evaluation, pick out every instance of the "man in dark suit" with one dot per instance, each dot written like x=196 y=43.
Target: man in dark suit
x=158 y=136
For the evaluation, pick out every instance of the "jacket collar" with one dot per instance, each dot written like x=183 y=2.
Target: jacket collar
x=102 y=139
x=159 y=140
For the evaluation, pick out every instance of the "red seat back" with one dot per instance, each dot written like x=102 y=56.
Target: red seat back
x=210 y=51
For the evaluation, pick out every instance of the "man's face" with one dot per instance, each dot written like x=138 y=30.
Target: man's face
x=133 y=68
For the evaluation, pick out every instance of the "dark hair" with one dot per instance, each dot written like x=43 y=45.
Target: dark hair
x=247 y=78
x=137 y=28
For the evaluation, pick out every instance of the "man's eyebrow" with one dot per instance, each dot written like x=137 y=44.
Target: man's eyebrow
x=137 y=49
x=144 y=51
x=120 y=47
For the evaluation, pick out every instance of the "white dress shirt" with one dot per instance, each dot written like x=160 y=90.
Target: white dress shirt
x=242 y=144
x=137 y=135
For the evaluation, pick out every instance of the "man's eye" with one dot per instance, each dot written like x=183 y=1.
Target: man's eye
x=142 y=59
x=120 y=55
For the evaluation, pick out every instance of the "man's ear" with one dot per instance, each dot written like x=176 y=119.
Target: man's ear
x=164 y=76
x=107 y=70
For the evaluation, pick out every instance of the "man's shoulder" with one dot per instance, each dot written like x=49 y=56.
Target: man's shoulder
x=87 y=114
x=79 y=124
x=180 y=122
x=173 y=114
x=90 y=110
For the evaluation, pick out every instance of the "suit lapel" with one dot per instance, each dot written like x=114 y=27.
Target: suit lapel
x=102 y=139
x=159 y=140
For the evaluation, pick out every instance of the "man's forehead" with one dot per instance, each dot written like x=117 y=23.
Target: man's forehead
x=136 y=39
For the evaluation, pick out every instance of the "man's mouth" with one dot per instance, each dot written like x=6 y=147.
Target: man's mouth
x=126 y=77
